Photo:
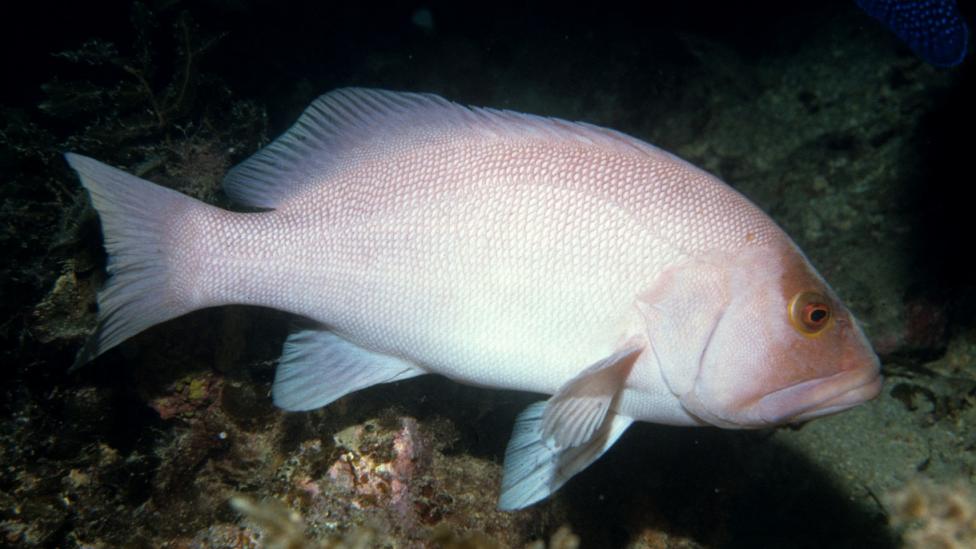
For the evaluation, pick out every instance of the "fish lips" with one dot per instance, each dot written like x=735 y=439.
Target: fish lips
x=820 y=397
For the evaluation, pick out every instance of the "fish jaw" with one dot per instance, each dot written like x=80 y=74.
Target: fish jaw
x=821 y=397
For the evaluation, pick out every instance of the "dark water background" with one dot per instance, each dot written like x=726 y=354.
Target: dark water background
x=860 y=150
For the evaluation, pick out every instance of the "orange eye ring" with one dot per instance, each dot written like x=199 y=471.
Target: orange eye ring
x=810 y=313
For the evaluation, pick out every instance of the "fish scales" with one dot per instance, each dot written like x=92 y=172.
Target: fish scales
x=503 y=250
x=470 y=244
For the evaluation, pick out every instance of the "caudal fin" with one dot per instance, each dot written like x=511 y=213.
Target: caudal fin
x=135 y=217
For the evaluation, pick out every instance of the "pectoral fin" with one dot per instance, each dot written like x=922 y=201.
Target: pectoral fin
x=580 y=406
x=535 y=468
x=555 y=439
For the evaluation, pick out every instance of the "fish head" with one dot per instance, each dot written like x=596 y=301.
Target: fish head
x=780 y=346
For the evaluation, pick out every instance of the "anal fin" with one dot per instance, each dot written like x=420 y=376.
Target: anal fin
x=318 y=367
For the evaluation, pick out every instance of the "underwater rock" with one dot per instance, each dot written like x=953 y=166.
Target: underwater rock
x=64 y=312
x=921 y=331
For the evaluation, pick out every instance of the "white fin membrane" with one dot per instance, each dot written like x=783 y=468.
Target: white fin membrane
x=318 y=367
x=347 y=124
x=578 y=408
x=534 y=468
x=134 y=215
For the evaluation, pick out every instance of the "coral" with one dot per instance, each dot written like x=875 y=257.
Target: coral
x=391 y=473
x=284 y=529
x=935 y=516
x=562 y=538
x=188 y=396
x=378 y=467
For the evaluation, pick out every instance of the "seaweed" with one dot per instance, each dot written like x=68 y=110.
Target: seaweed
x=138 y=98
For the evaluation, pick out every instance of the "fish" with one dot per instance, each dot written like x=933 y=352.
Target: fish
x=933 y=29
x=413 y=235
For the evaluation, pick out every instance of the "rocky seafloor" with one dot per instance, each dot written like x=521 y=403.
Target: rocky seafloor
x=860 y=150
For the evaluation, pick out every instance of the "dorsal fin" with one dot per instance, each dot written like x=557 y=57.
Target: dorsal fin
x=349 y=124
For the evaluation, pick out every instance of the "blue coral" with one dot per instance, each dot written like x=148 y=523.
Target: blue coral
x=933 y=29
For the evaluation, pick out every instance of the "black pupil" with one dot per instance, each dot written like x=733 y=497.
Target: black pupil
x=817 y=315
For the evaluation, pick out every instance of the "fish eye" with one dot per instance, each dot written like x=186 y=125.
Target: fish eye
x=810 y=313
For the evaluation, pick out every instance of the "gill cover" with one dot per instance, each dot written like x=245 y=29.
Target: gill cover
x=681 y=312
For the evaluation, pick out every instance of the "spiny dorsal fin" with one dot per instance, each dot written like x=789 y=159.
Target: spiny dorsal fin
x=346 y=125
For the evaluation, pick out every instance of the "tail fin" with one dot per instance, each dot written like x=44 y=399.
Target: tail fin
x=135 y=216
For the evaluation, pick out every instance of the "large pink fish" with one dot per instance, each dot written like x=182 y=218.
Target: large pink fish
x=502 y=250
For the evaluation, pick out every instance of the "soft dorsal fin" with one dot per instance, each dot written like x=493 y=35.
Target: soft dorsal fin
x=349 y=124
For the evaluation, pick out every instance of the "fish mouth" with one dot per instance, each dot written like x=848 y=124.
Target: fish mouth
x=821 y=397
